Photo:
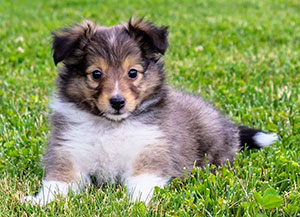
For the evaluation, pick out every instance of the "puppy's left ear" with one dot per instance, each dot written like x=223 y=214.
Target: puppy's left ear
x=152 y=40
x=68 y=44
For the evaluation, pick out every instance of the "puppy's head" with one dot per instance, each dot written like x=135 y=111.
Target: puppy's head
x=113 y=72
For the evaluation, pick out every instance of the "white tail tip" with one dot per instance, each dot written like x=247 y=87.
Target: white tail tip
x=264 y=140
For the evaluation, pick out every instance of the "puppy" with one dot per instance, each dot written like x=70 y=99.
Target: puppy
x=114 y=117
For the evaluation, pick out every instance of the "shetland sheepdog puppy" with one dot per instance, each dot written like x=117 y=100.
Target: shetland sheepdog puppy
x=115 y=119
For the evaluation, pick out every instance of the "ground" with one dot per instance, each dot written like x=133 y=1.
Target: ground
x=243 y=56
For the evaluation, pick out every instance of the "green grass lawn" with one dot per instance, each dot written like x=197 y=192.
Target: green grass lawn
x=249 y=68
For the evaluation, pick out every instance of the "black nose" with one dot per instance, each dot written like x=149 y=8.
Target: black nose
x=117 y=102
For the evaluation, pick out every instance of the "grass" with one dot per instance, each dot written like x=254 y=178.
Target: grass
x=249 y=68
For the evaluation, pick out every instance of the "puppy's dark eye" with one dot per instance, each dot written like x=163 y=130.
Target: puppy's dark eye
x=133 y=73
x=97 y=74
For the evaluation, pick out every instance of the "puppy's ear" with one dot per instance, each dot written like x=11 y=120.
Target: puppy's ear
x=69 y=42
x=152 y=40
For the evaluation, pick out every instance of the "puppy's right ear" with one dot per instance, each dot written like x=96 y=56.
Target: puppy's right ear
x=70 y=42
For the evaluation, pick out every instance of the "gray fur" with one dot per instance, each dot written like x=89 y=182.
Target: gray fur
x=193 y=130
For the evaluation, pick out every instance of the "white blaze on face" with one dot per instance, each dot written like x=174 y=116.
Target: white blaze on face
x=116 y=89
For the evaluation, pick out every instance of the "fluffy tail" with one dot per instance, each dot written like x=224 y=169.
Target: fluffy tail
x=252 y=138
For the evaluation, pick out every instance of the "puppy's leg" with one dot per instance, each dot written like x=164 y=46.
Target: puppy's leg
x=61 y=177
x=151 y=169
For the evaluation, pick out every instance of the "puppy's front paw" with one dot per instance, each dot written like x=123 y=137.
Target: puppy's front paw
x=141 y=187
x=49 y=192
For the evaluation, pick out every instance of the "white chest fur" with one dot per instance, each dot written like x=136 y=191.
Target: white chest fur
x=102 y=147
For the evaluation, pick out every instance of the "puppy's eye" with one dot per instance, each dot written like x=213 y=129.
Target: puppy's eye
x=133 y=73
x=97 y=74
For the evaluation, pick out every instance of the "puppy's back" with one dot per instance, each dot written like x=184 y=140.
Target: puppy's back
x=196 y=129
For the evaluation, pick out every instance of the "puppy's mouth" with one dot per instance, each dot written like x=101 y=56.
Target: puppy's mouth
x=117 y=113
x=116 y=116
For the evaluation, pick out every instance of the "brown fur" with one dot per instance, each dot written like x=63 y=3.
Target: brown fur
x=154 y=157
